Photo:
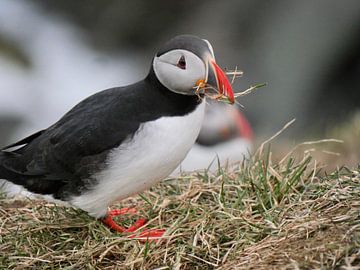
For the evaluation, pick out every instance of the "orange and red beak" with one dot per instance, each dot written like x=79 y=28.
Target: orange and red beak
x=218 y=79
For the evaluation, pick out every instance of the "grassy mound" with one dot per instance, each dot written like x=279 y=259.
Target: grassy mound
x=262 y=215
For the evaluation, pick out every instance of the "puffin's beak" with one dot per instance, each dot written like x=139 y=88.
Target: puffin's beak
x=218 y=79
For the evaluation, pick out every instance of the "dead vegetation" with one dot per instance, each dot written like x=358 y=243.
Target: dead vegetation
x=318 y=232
x=262 y=215
x=213 y=93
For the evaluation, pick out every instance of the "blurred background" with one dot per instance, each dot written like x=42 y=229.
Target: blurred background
x=55 y=53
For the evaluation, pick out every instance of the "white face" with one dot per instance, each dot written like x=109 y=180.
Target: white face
x=179 y=70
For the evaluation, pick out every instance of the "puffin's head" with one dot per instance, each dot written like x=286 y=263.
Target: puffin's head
x=185 y=62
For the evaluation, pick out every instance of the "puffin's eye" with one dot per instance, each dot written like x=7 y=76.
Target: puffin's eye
x=181 y=63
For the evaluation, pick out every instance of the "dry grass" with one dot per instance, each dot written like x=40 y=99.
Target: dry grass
x=261 y=215
x=213 y=93
x=317 y=232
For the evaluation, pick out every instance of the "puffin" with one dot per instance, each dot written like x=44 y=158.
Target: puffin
x=121 y=141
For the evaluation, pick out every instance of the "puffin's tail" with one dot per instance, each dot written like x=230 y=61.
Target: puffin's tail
x=9 y=181
x=5 y=173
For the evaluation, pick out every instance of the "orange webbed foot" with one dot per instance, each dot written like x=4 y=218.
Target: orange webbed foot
x=145 y=235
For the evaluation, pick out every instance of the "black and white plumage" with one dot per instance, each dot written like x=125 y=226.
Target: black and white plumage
x=120 y=141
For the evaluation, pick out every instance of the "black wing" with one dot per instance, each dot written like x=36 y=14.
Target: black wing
x=75 y=147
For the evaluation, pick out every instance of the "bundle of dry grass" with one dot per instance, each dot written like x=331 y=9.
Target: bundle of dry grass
x=211 y=92
x=262 y=215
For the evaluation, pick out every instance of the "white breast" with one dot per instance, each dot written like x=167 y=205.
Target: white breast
x=151 y=155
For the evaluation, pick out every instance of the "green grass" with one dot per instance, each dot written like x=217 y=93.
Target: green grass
x=260 y=215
